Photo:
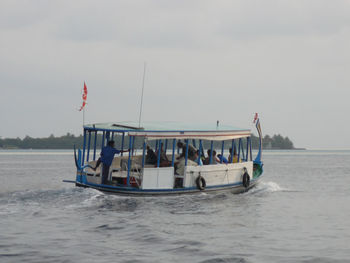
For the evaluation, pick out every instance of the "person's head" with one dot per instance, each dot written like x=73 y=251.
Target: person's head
x=192 y=154
x=234 y=151
x=214 y=153
x=147 y=147
x=111 y=143
x=209 y=152
x=179 y=144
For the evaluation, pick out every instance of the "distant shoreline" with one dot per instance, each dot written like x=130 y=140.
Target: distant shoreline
x=66 y=142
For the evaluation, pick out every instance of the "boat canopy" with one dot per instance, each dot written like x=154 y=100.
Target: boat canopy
x=172 y=130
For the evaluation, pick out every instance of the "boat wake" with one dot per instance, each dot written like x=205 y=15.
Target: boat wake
x=35 y=200
x=267 y=187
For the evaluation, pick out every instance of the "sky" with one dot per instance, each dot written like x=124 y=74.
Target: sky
x=205 y=61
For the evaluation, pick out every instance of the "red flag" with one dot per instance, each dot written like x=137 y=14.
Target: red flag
x=255 y=117
x=84 y=97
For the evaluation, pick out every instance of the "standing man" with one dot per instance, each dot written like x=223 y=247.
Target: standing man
x=107 y=155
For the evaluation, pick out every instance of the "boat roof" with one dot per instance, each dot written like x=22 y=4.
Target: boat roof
x=172 y=130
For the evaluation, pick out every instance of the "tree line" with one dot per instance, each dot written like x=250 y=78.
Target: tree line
x=69 y=140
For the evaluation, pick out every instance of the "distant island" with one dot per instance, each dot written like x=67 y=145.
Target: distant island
x=276 y=142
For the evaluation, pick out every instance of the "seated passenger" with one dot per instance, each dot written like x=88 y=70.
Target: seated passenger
x=191 y=161
x=200 y=158
x=179 y=145
x=183 y=153
x=163 y=162
x=214 y=159
x=223 y=158
x=235 y=157
x=151 y=157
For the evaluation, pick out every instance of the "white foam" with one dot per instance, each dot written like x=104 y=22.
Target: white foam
x=268 y=187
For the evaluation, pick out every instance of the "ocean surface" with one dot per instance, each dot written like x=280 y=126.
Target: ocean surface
x=300 y=212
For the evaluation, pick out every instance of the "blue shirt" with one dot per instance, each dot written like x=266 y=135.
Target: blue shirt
x=107 y=155
x=224 y=160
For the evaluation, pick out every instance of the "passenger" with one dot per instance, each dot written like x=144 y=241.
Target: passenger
x=183 y=153
x=179 y=145
x=235 y=157
x=163 y=162
x=191 y=161
x=107 y=156
x=200 y=159
x=223 y=158
x=151 y=157
x=214 y=159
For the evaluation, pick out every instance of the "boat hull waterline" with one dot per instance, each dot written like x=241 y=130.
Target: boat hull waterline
x=236 y=188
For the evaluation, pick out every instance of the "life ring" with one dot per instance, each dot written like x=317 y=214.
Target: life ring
x=246 y=179
x=200 y=182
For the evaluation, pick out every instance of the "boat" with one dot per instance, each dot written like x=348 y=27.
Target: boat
x=132 y=173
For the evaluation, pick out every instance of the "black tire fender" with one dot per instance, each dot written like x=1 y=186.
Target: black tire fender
x=200 y=182
x=245 y=178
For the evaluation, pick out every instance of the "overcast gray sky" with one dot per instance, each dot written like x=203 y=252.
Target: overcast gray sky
x=206 y=61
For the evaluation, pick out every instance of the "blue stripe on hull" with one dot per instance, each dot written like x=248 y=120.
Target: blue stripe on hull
x=236 y=188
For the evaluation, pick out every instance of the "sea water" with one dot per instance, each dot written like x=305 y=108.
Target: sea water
x=300 y=212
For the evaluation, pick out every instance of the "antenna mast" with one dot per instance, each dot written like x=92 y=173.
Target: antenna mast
x=143 y=87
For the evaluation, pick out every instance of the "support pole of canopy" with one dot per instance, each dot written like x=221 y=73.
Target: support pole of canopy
x=129 y=161
x=95 y=145
x=88 y=150
x=211 y=152
x=133 y=145
x=159 y=150
x=143 y=153
x=232 y=151
x=82 y=159
x=107 y=136
x=239 y=150
x=222 y=151
x=247 y=150
x=103 y=140
x=243 y=154
x=200 y=151
x=173 y=158
x=186 y=155
x=122 y=144
x=250 y=147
